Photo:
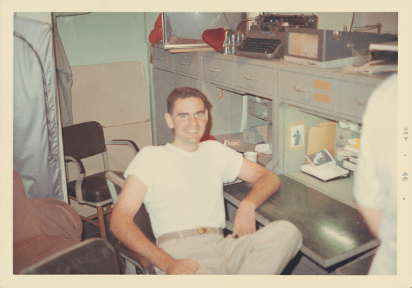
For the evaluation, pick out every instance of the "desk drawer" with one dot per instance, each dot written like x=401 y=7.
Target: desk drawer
x=162 y=59
x=307 y=90
x=255 y=78
x=187 y=63
x=353 y=98
x=218 y=70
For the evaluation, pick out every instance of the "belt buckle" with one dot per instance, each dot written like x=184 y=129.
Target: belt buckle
x=203 y=230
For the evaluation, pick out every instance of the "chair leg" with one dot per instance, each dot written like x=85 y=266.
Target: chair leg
x=102 y=226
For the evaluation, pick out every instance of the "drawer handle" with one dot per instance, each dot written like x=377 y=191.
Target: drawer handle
x=184 y=63
x=173 y=82
x=250 y=78
x=301 y=89
x=161 y=58
x=362 y=103
x=214 y=70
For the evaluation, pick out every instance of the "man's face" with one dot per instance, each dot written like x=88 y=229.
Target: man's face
x=189 y=119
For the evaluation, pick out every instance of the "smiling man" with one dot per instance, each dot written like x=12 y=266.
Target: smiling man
x=181 y=185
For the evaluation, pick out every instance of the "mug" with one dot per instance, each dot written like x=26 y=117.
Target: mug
x=251 y=156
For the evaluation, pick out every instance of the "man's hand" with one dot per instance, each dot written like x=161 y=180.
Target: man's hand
x=182 y=267
x=245 y=222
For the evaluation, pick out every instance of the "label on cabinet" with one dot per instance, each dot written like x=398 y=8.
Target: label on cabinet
x=323 y=98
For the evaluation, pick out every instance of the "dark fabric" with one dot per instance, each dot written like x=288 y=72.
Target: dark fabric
x=93 y=256
x=94 y=188
x=64 y=78
x=24 y=223
x=41 y=227
x=31 y=251
x=83 y=139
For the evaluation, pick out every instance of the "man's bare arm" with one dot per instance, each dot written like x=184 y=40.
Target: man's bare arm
x=124 y=229
x=265 y=184
x=372 y=217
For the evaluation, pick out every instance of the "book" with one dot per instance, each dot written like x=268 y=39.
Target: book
x=343 y=153
x=323 y=166
x=349 y=165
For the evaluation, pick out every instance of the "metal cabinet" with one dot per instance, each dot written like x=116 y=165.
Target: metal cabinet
x=218 y=71
x=255 y=78
x=164 y=83
x=305 y=90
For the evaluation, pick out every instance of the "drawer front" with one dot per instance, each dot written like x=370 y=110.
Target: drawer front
x=162 y=59
x=187 y=63
x=353 y=98
x=307 y=90
x=218 y=70
x=255 y=78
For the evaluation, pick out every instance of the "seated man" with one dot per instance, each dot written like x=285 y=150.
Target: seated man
x=181 y=185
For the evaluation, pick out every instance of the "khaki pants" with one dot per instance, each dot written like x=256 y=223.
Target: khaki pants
x=266 y=252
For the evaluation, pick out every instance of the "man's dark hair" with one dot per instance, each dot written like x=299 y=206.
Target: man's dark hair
x=182 y=93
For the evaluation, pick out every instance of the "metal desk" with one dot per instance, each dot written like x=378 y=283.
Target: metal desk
x=332 y=231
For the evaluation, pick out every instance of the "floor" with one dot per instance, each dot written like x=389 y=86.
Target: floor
x=91 y=231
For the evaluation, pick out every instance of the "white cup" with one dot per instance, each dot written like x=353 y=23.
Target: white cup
x=251 y=156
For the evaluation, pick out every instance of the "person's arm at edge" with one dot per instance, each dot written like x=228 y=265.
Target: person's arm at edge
x=371 y=216
x=124 y=229
x=265 y=184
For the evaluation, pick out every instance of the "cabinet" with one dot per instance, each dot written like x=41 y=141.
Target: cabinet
x=247 y=94
x=165 y=82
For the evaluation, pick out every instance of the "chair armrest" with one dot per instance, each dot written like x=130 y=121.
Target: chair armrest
x=56 y=218
x=130 y=143
x=81 y=174
x=135 y=258
x=76 y=160
x=113 y=180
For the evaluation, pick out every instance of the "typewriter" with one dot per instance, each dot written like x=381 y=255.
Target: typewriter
x=265 y=38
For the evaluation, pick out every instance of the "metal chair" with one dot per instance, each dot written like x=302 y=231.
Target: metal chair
x=92 y=256
x=133 y=262
x=82 y=141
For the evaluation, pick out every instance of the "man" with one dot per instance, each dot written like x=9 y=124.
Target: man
x=375 y=179
x=181 y=184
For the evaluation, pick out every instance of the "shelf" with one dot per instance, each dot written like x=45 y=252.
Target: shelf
x=339 y=189
x=263 y=159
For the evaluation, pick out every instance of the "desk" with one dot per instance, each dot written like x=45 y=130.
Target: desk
x=332 y=231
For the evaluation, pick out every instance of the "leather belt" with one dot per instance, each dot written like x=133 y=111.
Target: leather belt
x=187 y=233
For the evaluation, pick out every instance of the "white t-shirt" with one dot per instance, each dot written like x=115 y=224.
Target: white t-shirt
x=375 y=179
x=185 y=189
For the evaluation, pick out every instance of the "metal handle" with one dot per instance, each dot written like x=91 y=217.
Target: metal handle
x=161 y=58
x=214 y=70
x=250 y=78
x=301 y=89
x=184 y=63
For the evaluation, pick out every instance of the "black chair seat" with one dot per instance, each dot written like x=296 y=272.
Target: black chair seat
x=93 y=256
x=94 y=188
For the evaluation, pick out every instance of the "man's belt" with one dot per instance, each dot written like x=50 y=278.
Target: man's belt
x=187 y=233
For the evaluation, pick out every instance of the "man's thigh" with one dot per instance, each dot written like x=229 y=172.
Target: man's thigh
x=201 y=248
x=267 y=251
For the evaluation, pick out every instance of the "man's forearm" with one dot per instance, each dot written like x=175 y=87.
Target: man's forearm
x=263 y=188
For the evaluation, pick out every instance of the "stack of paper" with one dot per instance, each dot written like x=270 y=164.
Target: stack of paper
x=349 y=154
x=323 y=166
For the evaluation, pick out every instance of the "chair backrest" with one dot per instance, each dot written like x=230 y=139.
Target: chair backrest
x=92 y=256
x=142 y=220
x=83 y=139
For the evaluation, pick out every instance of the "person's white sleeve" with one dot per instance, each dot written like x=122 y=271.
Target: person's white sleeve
x=140 y=166
x=233 y=161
